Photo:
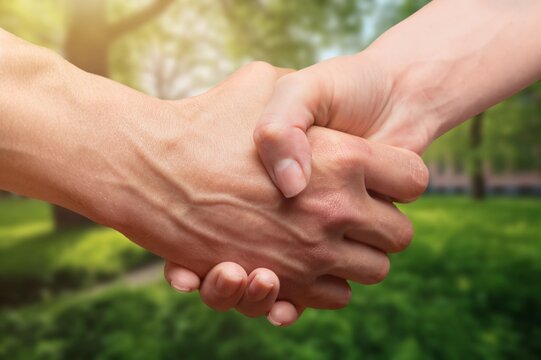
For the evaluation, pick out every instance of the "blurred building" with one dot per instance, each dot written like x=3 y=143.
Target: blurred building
x=455 y=180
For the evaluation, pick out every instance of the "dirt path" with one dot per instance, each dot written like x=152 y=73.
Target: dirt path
x=136 y=278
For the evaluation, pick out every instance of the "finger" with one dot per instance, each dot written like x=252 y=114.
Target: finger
x=283 y=313
x=396 y=173
x=261 y=293
x=386 y=228
x=224 y=286
x=360 y=263
x=328 y=292
x=280 y=135
x=180 y=278
x=388 y=171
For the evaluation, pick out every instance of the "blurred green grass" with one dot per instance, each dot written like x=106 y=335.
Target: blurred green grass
x=36 y=261
x=20 y=219
x=467 y=288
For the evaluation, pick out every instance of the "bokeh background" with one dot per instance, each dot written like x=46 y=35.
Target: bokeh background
x=468 y=287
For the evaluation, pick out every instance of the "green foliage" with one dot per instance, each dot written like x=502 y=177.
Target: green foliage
x=35 y=260
x=201 y=42
x=466 y=288
x=40 y=22
x=292 y=33
x=511 y=132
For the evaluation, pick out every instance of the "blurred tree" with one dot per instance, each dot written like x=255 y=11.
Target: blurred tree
x=90 y=35
x=180 y=55
x=294 y=33
x=504 y=139
x=478 y=187
x=512 y=132
x=196 y=44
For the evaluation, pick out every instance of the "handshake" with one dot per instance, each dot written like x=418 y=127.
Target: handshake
x=272 y=190
x=187 y=182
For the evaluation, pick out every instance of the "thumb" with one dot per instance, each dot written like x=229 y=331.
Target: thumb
x=280 y=134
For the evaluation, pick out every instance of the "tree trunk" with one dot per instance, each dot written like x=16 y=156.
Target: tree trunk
x=478 y=187
x=87 y=40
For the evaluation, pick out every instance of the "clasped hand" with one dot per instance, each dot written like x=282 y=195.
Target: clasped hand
x=202 y=197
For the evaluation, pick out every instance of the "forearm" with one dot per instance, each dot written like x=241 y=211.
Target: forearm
x=61 y=128
x=455 y=58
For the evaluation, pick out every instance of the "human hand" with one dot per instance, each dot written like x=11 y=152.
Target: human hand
x=252 y=295
x=183 y=180
x=81 y=152
x=248 y=306
x=202 y=182
x=419 y=79
x=352 y=94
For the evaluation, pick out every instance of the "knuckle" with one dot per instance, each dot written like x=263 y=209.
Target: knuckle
x=342 y=300
x=327 y=260
x=312 y=296
x=268 y=132
x=352 y=154
x=260 y=67
x=404 y=237
x=380 y=271
x=320 y=258
x=334 y=210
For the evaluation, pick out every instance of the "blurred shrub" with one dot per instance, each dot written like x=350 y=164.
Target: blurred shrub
x=36 y=262
x=466 y=289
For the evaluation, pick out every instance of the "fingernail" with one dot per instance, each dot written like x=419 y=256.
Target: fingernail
x=259 y=288
x=273 y=322
x=181 y=288
x=290 y=177
x=227 y=285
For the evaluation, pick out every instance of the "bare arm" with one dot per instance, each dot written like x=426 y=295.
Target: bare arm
x=444 y=64
x=182 y=179
x=59 y=128
x=455 y=58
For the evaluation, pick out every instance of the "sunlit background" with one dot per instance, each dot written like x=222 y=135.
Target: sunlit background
x=468 y=287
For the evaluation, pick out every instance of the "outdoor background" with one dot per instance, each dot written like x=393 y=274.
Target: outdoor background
x=467 y=288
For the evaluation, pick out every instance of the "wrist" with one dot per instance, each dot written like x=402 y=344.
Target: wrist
x=69 y=137
x=404 y=119
x=124 y=140
x=444 y=74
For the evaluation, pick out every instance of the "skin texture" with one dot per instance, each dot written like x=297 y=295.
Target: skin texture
x=446 y=63
x=313 y=227
x=183 y=179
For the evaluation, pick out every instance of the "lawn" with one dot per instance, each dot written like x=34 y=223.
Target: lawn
x=36 y=261
x=467 y=288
